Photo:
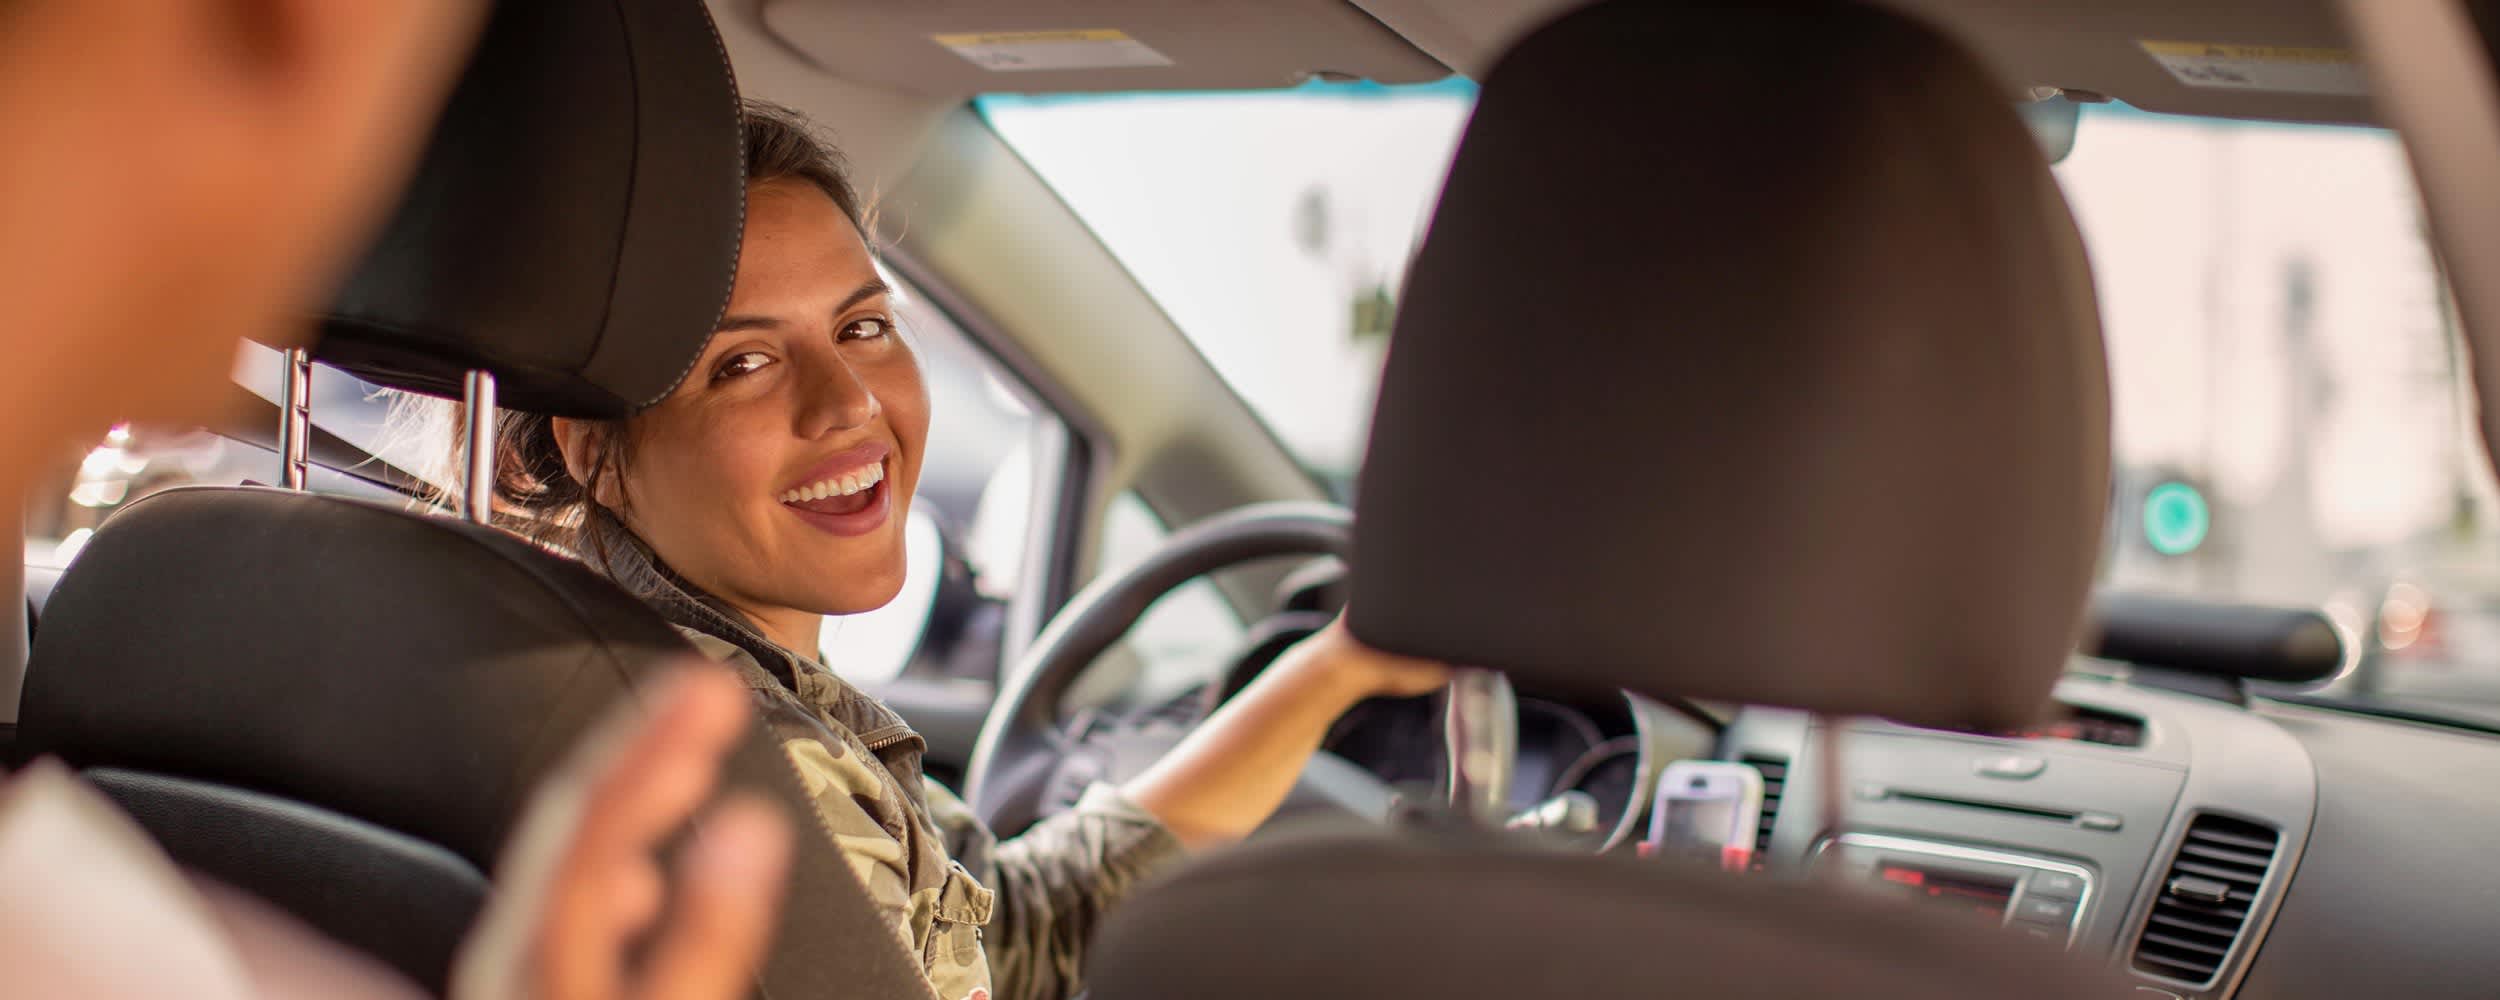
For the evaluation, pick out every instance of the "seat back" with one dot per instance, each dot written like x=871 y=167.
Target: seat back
x=263 y=680
x=343 y=708
x=1461 y=916
x=286 y=643
x=404 y=901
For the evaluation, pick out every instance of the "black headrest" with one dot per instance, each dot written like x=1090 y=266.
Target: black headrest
x=1752 y=355
x=574 y=225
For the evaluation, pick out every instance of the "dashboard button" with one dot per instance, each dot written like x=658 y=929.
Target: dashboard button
x=2102 y=822
x=2011 y=767
x=2037 y=932
x=2053 y=912
x=2054 y=885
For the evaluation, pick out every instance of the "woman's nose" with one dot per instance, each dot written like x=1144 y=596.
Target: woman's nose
x=836 y=398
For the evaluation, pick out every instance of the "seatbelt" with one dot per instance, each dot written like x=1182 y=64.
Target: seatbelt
x=831 y=941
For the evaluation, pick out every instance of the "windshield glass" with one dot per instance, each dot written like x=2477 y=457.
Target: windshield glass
x=2292 y=420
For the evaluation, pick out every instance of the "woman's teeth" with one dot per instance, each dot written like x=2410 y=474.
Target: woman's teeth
x=838 y=486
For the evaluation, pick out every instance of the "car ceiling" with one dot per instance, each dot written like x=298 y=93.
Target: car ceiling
x=894 y=45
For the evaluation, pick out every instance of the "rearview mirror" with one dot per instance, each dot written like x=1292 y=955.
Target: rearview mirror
x=2284 y=645
x=2053 y=121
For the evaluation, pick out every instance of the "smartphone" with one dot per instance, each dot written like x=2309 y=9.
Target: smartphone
x=1706 y=810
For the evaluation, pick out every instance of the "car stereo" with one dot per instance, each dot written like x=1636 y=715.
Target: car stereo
x=2035 y=896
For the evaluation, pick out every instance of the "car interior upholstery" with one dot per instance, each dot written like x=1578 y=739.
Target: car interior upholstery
x=1951 y=358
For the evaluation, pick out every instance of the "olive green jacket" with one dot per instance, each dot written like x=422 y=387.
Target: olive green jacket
x=989 y=920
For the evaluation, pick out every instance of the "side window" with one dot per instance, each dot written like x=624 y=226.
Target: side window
x=81 y=489
x=970 y=520
x=1183 y=639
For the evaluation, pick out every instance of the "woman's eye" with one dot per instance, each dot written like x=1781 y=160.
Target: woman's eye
x=746 y=363
x=871 y=328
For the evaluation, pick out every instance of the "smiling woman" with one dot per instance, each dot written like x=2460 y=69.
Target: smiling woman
x=772 y=474
x=773 y=487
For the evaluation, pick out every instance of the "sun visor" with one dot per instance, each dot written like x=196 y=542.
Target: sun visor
x=1752 y=355
x=574 y=225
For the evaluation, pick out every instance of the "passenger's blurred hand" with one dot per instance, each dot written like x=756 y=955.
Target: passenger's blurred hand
x=581 y=884
x=184 y=173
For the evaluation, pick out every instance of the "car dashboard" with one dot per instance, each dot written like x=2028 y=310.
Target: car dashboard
x=2270 y=851
x=1597 y=746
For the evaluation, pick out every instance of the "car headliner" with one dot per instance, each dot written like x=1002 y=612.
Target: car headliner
x=880 y=75
x=1275 y=43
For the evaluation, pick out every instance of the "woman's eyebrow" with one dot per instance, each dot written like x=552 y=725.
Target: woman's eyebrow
x=733 y=324
x=875 y=287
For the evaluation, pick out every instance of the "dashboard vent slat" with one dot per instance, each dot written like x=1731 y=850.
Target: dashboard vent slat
x=1774 y=782
x=2194 y=946
x=2243 y=858
x=2205 y=899
x=2222 y=930
x=2230 y=840
x=2236 y=875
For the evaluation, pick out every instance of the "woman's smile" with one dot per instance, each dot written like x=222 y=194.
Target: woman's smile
x=844 y=495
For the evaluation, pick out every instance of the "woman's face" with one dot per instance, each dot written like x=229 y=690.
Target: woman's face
x=778 y=474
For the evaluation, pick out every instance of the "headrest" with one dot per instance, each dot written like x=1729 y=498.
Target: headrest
x=574 y=225
x=1751 y=355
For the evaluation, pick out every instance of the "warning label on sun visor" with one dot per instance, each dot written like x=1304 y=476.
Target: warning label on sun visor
x=1025 y=51
x=2272 y=69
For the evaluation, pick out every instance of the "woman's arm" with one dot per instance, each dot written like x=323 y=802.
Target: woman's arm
x=1235 y=769
x=1055 y=882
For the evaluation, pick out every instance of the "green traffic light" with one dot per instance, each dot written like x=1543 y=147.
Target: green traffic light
x=2175 y=519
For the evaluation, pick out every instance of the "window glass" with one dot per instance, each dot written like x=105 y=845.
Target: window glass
x=1274 y=227
x=1185 y=639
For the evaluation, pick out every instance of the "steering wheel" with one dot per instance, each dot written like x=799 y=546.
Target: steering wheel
x=1019 y=747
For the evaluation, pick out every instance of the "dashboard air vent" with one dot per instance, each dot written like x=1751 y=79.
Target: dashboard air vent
x=2204 y=900
x=1774 y=780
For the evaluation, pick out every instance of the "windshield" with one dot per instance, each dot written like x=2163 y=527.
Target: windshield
x=2292 y=424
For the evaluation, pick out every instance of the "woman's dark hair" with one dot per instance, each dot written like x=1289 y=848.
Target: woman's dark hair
x=536 y=494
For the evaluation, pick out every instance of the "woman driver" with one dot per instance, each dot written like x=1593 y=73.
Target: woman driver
x=769 y=489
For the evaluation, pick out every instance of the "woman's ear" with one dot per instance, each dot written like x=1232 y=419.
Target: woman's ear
x=584 y=447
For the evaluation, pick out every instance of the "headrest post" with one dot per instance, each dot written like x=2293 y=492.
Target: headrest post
x=1481 y=726
x=477 y=497
x=294 y=416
